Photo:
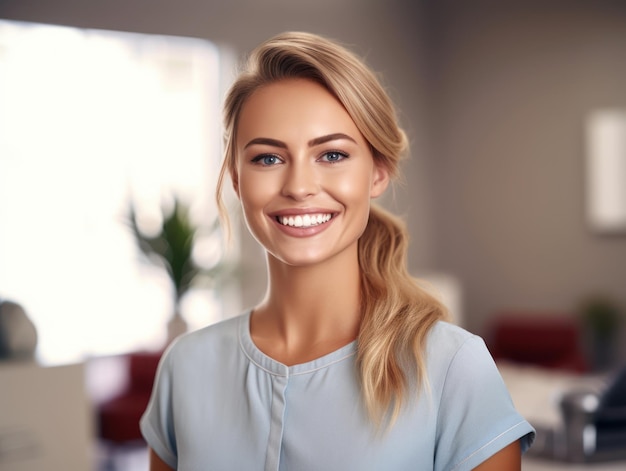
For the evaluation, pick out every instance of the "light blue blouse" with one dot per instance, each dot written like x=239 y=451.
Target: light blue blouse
x=219 y=403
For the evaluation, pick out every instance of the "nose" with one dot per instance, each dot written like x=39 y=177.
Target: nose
x=300 y=181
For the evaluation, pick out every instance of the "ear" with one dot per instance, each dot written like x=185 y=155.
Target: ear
x=234 y=178
x=380 y=180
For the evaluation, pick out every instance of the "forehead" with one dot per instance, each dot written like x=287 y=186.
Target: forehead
x=293 y=109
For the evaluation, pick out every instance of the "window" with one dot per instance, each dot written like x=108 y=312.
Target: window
x=90 y=120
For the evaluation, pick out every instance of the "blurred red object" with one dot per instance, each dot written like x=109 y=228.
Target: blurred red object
x=547 y=340
x=118 y=417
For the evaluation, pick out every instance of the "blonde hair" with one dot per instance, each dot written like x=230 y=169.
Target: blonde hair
x=397 y=313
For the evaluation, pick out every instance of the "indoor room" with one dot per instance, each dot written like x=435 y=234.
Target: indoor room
x=513 y=192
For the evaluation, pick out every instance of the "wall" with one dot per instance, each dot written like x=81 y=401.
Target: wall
x=386 y=32
x=512 y=83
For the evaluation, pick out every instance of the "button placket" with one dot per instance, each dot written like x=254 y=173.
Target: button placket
x=277 y=417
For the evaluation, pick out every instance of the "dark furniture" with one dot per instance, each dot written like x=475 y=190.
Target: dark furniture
x=547 y=340
x=117 y=418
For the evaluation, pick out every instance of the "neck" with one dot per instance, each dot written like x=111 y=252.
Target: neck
x=313 y=309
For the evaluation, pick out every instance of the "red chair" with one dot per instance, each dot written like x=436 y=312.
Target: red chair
x=118 y=417
x=547 y=340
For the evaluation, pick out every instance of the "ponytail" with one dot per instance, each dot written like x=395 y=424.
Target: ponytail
x=397 y=315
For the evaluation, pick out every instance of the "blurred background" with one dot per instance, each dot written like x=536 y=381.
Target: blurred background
x=110 y=113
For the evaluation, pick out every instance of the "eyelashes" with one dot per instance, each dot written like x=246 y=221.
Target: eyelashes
x=267 y=160
x=331 y=157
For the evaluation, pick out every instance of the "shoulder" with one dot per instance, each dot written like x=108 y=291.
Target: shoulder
x=475 y=414
x=208 y=342
x=446 y=339
x=448 y=345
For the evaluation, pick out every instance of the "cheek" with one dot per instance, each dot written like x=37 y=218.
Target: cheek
x=253 y=194
x=252 y=204
x=355 y=187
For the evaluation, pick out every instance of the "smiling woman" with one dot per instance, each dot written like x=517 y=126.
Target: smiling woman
x=345 y=363
x=290 y=175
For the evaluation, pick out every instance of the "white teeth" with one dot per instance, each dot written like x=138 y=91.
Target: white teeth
x=307 y=220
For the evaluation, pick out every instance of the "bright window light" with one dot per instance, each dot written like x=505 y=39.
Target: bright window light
x=89 y=120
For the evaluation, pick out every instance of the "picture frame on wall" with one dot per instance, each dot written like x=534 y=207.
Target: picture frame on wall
x=605 y=170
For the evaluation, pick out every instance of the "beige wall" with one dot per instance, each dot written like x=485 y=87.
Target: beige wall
x=493 y=95
x=512 y=84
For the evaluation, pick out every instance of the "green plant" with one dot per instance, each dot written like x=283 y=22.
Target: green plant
x=172 y=249
x=602 y=316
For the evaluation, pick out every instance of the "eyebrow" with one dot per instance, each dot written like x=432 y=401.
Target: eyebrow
x=330 y=137
x=313 y=142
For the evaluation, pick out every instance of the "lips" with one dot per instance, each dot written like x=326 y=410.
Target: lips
x=304 y=220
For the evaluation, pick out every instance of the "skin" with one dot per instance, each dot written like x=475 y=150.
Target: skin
x=157 y=464
x=299 y=152
x=317 y=160
x=507 y=459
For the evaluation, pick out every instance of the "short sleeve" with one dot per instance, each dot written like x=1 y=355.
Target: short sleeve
x=156 y=424
x=477 y=417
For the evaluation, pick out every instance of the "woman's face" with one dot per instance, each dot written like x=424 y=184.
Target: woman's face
x=305 y=174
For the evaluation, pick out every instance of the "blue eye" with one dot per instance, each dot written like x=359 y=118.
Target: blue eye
x=266 y=159
x=334 y=156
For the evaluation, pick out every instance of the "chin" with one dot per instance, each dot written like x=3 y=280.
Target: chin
x=300 y=260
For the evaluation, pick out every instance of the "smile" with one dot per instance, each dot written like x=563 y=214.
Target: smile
x=306 y=220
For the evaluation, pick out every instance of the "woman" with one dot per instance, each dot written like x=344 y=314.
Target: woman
x=346 y=363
